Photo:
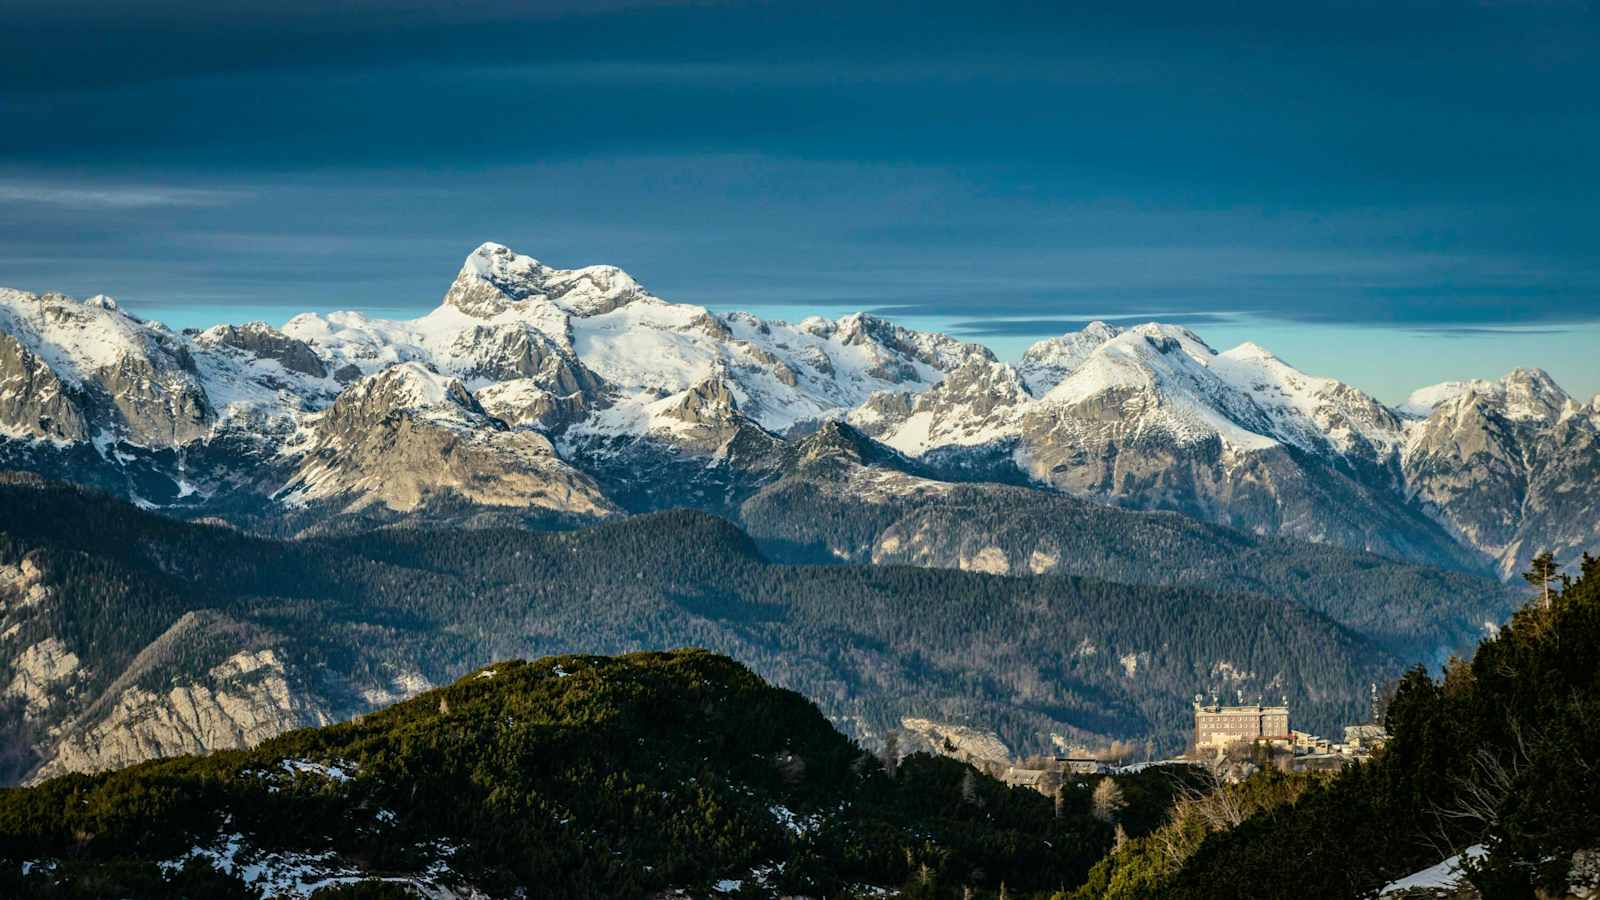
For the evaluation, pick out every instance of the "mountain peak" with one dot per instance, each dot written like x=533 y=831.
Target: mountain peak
x=1047 y=362
x=1251 y=350
x=1531 y=394
x=1166 y=338
x=494 y=279
x=838 y=440
x=410 y=387
x=1523 y=395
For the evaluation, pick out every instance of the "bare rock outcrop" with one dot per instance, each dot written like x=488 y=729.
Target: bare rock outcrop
x=245 y=699
x=407 y=437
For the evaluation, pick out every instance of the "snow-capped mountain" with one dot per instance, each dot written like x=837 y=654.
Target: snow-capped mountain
x=1152 y=416
x=357 y=412
x=1157 y=382
x=1510 y=466
x=552 y=391
x=73 y=366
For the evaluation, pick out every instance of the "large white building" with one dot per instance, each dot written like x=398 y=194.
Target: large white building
x=1219 y=726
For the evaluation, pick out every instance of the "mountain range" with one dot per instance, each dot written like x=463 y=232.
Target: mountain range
x=276 y=528
x=560 y=397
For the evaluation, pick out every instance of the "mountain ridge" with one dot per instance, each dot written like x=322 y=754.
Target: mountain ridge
x=617 y=400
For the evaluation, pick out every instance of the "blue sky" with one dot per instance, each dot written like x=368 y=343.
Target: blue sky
x=1391 y=193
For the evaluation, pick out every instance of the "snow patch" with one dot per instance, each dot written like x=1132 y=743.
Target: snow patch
x=1446 y=874
x=336 y=773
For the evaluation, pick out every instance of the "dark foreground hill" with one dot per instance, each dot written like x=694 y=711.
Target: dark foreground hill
x=576 y=776
x=130 y=635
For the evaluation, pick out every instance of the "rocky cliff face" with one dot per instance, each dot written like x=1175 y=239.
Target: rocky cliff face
x=264 y=342
x=1508 y=465
x=209 y=682
x=133 y=381
x=407 y=437
x=34 y=401
x=245 y=699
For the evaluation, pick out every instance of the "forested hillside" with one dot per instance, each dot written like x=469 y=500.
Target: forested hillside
x=1500 y=752
x=1029 y=657
x=576 y=776
x=827 y=509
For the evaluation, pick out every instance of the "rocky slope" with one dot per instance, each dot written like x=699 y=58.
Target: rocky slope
x=1510 y=466
x=544 y=393
x=1153 y=417
x=405 y=435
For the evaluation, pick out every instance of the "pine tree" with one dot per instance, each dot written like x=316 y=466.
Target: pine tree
x=1542 y=570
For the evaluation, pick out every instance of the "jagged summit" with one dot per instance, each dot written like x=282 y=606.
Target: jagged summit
x=115 y=377
x=408 y=387
x=838 y=441
x=495 y=277
x=1524 y=394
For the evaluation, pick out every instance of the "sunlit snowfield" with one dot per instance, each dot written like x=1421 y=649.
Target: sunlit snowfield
x=1387 y=362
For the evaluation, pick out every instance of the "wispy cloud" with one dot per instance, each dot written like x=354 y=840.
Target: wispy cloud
x=1468 y=331
x=114 y=197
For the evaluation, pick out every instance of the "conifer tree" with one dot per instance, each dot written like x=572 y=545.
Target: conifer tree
x=1542 y=570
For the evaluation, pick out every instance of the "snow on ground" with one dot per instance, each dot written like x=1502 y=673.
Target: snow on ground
x=1047 y=362
x=337 y=773
x=1305 y=408
x=797 y=824
x=1423 y=401
x=74 y=339
x=1446 y=874
x=279 y=874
